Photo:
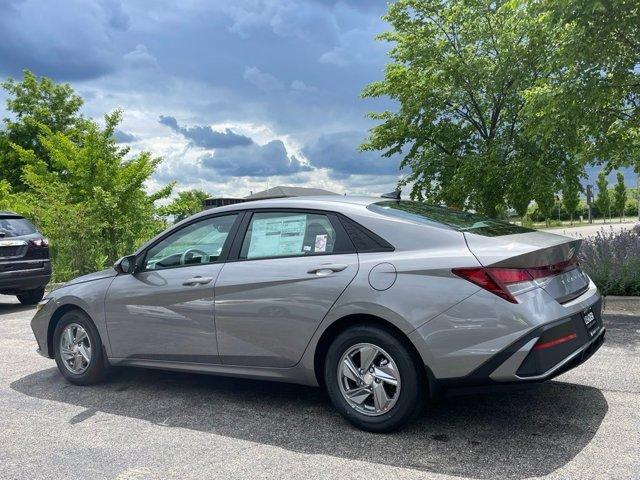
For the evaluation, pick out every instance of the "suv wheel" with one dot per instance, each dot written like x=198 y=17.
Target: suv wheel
x=373 y=379
x=78 y=350
x=31 y=297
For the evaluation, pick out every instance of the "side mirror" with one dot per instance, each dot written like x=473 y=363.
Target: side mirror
x=126 y=265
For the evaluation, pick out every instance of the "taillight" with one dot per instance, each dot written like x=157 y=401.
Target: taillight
x=554 y=342
x=40 y=242
x=508 y=282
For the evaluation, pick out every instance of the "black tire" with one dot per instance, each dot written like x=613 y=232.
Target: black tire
x=411 y=399
x=31 y=297
x=98 y=366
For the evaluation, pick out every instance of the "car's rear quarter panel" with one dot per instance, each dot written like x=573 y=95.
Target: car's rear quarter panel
x=465 y=336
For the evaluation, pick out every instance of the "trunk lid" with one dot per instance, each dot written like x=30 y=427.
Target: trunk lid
x=535 y=250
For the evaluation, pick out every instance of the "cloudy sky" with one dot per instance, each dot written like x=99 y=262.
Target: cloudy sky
x=234 y=95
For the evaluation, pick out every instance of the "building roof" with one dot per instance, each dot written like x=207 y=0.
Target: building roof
x=282 y=191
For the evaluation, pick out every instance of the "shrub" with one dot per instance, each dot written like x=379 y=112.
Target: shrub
x=612 y=260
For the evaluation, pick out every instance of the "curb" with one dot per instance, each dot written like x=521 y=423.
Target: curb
x=629 y=305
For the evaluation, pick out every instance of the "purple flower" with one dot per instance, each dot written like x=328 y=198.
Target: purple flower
x=612 y=260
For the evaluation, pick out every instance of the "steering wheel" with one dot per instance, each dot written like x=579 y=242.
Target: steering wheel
x=183 y=257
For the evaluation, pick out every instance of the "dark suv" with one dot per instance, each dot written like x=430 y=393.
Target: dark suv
x=25 y=267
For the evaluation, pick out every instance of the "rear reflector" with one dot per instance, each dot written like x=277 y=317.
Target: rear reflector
x=554 y=342
x=507 y=282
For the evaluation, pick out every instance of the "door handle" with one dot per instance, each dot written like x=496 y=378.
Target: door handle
x=197 y=281
x=328 y=269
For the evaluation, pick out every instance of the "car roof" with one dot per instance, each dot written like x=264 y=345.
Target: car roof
x=320 y=202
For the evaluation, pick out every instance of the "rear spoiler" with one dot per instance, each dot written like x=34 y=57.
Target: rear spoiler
x=523 y=250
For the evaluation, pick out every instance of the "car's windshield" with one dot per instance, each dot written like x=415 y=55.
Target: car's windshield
x=15 y=227
x=441 y=216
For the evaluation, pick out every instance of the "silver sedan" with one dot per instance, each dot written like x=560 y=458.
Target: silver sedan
x=381 y=301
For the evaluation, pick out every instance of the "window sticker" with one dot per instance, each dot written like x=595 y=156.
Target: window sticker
x=277 y=236
x=321 y=243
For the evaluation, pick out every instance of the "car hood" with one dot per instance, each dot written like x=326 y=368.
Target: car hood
x=90 y=277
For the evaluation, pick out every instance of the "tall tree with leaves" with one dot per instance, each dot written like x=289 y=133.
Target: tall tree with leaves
x=36 y=103
x=603 y=199
x=89 y=197
x=571 y=187
x=185 y=204
x=590 y=90
x=544 y=190
x=619 y=195
x=458 y=73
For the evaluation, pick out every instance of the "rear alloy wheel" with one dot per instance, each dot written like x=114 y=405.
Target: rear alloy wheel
x=31 y=297
x=78 y=350
x=369 y=379
x=373 y=379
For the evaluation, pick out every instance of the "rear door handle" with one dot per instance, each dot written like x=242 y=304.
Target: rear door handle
x=197 y=281
x=328 y=269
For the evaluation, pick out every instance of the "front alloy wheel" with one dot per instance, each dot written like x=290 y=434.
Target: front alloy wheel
x=75 y=348
x=78 y=350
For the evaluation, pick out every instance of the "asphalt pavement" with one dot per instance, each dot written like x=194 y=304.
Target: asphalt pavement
x=146 y=424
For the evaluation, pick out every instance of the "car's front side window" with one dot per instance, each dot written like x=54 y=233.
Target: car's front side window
x=285 y=234
x=197 y=243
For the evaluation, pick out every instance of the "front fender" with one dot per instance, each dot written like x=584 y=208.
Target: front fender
x=88 y=296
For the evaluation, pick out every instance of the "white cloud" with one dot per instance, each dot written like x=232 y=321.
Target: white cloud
x=264 y=81
x=300 y=86
x=140 y=58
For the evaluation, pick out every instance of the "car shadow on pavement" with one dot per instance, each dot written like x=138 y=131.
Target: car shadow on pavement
x=6 y=308
x=509 y=435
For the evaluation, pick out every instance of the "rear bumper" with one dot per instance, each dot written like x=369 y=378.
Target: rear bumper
x=520 y=363
x=15 y=281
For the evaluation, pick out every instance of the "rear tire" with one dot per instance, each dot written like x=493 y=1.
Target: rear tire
x=31 y=297
x=394 y=367
x=75 y=340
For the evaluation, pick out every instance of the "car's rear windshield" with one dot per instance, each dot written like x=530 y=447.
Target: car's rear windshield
x=441 y=216
x=15 y=227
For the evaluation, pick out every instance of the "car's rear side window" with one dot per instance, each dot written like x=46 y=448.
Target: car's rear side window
x=15 y=227
x=446 y=217
x=289 y=234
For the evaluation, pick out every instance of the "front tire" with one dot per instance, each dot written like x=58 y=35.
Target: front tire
x=373 y=378
x=78 y=350
x=31 y=297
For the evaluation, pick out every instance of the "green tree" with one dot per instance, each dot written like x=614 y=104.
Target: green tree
x=36 y=103
x=603 y=199
x=590 y=89
x=571 y=187
x=619 y=195
x=458 y=73
x=544 y=189
x=92 y=203
x=186 y=203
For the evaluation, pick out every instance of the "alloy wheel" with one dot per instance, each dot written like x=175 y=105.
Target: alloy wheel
x=369 y=379
x=75 y=348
